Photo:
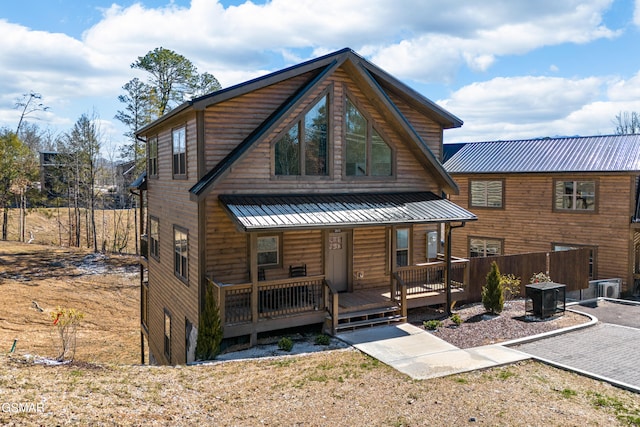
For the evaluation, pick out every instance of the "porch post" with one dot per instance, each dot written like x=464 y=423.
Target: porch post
x=253 y=271
x=447 y=270
x=447 y=257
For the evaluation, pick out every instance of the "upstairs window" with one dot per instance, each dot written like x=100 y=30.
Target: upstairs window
x=303 y=149
x=153 y=156
x=486 y=194
x=181 y=259
x=179 y=139
x=575 y=196
x=366 y=152
x=482 y=247
x=154 y=236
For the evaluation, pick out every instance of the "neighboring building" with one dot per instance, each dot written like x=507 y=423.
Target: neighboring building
x=552 y=194
x=49 y=171
x=307 y=196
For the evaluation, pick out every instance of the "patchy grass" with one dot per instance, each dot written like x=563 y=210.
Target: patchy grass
x=104 y=386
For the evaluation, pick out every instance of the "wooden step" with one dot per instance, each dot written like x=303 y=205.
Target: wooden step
x=368 y=313
x=371 y=322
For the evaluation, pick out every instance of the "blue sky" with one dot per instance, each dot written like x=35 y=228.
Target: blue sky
x=508 y=68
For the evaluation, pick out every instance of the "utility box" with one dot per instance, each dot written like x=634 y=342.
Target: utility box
x=545 y=299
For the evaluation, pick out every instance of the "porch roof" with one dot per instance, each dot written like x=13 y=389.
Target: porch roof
x=280 y=212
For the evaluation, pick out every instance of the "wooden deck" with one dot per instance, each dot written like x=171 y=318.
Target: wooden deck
x=365 y=299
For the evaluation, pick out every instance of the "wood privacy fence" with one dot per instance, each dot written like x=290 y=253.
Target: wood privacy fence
x=570 y=268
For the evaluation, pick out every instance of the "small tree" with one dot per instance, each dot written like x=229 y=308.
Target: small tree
x=209 y=328
x=66 y=321
x=492 y=297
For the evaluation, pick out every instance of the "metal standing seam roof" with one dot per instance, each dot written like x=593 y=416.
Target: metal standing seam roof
x=612 y=153
x=266 y=212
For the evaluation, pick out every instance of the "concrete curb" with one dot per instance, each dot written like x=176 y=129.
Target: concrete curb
x=588 y=374
x=592 y=322
x=524 y=340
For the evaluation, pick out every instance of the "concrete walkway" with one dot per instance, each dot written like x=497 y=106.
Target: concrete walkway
x=417 y=353
x=603 y=350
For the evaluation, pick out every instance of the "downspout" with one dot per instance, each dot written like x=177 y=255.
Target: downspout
x=448 y=228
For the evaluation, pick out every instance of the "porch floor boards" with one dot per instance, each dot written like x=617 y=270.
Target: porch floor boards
x=365 y=299
x=374 y=298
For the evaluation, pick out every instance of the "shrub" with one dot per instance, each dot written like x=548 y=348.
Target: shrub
x=323 y=339
x=540 y=278
x=510 y=286
x=492 y=297
x=455 y=318
x=209 y=328
x=285 y=344
x=66 y=321
x=432 y=325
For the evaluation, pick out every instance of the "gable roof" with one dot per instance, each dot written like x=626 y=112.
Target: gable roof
x=364 y=72
x=611 y=153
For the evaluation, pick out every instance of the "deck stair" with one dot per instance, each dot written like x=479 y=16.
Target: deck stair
x=385 y=315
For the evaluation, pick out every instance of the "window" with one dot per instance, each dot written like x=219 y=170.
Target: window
x=402 y=247
x=154 y=228
x=153 y=156
x=486 y=194
x=592 y=255
x=303 y=150
x=144 y=306
x=179 y=151
x=268 y=251
x=367 y=154
x=167 y=335
x=181 y=259
x=575 y=195
x=481 y=247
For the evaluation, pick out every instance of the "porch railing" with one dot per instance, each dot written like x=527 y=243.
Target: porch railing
x=276 y=298
x=430 y=277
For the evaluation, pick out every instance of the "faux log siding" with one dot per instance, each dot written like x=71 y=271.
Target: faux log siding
x=168 y=200
x=227 y=248
x=529 y=224
x=370 y=256
x=227 y=255
x=253 y=173
x=429 y=130
x=230 y=122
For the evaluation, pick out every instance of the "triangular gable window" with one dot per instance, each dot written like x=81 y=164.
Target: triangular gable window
x=367 y=153
x=303 y=149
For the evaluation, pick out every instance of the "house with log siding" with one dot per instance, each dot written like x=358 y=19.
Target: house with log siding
x=553 y=194
x=310 y=196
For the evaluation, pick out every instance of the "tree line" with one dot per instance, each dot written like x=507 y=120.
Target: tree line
x=79 y=179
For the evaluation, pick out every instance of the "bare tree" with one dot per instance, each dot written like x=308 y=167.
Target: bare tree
x=627 y=123
x=30 y=103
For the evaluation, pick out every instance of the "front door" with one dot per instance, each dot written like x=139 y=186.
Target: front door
x=337 y=260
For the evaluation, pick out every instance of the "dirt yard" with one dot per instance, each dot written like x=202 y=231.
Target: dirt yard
x=104 y=386
x=104 y=287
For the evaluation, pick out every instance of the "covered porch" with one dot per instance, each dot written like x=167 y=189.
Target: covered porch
x=353 y=289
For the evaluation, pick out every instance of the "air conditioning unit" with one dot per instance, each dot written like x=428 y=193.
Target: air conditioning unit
x=609 y=289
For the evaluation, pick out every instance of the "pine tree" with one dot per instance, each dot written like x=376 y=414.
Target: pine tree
x=209 y=328
x=492 y=295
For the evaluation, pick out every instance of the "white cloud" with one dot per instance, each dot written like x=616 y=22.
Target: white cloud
x=413 y=40
x=528 y=107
